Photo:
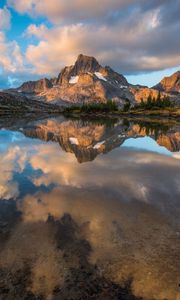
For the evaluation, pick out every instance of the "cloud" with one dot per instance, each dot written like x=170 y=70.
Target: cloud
x=131 y=36
x=10 y=55
x=71 y=11
x=75 y=11
x=13 y=65
x=5 y=18
x=131 y=47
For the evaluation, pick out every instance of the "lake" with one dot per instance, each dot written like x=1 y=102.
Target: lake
x=89 y=209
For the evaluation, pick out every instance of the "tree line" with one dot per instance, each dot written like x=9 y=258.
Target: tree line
x=156 y=102
x=94 y=107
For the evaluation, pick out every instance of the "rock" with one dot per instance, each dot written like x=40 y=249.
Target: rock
x=53 y=80
x=35 y=86
x=84 y=64
x=85 y=81
x=88 y=81
x=169 y=84
x=143 y=93
x=14 y=104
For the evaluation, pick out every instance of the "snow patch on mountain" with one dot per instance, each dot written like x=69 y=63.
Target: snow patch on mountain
x=100 y=76
x=98 y=145
x=73 y=79
x=73 y=141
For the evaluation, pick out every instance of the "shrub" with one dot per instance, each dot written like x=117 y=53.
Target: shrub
x=109 y=106
x=126 y=106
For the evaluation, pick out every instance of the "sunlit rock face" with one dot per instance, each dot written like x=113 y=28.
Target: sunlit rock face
x=88 y=81
x=89 y=65
x=170 y=84
x=83 y=65
x=36 y=86
x=85 y=81
x=143 y=93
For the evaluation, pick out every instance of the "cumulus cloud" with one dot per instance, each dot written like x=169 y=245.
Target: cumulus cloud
x=73 y=10
x=10 y=55
x=131 y=36
x=109 y=44
x=13 y=65
x=5 y=18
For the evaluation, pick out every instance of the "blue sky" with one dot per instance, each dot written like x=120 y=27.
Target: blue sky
x=139 y=39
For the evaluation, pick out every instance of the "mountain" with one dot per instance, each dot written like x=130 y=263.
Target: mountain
x=141 y=92
x=169 y=84
x=35 y=86
x=85 y=81
x=15 y=103
x=84 y=64
x=90 y=66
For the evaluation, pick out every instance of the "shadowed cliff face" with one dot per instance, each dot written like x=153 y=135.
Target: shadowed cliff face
x=88 y=139
x=107 y=229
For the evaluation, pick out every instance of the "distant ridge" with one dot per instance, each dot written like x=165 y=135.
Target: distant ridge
x=170 y=84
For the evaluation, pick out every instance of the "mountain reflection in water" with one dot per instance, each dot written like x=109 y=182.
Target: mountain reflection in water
x=108 y=229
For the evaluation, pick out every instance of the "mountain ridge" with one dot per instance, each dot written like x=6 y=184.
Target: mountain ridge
x=169 y=83
x=88 y=81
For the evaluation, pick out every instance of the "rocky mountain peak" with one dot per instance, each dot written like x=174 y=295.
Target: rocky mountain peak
x=85 y=81
x=85 y=64
x=35 y=86
x=88 y=81
x=170 y=83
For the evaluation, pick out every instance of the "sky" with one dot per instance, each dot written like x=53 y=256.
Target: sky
x=139 y=39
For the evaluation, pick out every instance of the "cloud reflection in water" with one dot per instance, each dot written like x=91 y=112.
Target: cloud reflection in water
x=124 y=204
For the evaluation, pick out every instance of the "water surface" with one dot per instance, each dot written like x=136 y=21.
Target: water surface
x=89 y=209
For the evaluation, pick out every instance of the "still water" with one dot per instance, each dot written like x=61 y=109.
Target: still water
x=89 y=209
